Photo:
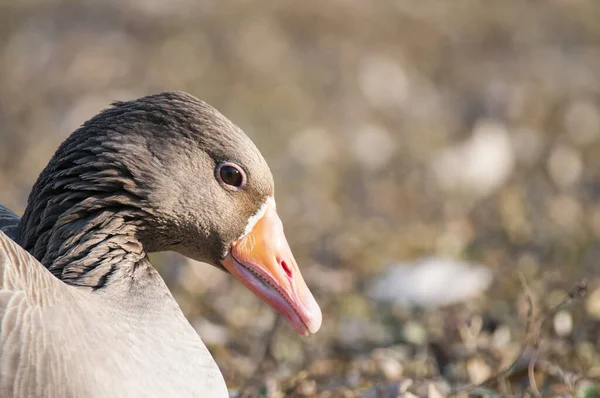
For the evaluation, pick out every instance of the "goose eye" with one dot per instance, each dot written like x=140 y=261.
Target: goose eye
x=232 y=175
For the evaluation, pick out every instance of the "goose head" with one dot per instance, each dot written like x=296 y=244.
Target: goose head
x=203 y=187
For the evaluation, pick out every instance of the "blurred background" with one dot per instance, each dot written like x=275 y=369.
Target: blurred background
x=437 y=167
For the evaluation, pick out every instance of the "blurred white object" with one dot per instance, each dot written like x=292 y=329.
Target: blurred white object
x=383 y=81
x=373 y=146
x=563 y=323
x=430 y=282
x=479 y=165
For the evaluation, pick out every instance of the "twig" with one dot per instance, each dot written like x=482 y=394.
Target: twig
x=525 y=344
x=531 y=337
x=531 y=374
x=568 y=378
x=533 y=330
x=576 y=291
x=529 y=296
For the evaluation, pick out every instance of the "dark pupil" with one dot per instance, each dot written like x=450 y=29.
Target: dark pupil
x=231 y=176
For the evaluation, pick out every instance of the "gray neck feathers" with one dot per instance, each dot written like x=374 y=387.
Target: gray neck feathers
x=86 y=210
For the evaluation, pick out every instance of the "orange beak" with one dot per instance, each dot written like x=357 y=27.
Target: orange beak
x=263 y=261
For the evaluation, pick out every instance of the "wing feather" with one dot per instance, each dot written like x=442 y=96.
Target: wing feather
x=9 y=222
x=27 y=290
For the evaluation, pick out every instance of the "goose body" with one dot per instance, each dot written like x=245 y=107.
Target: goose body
x=54 y=340
x=82 y=311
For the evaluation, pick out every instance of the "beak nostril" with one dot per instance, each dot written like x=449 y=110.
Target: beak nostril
x=286 y=268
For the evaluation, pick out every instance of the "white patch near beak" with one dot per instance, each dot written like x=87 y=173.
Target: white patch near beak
x=258 y=215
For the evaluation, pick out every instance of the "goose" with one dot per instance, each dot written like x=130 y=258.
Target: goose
x=82 y=311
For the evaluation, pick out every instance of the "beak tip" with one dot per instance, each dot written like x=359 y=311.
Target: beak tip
x=314 y=326
x=315 y=318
